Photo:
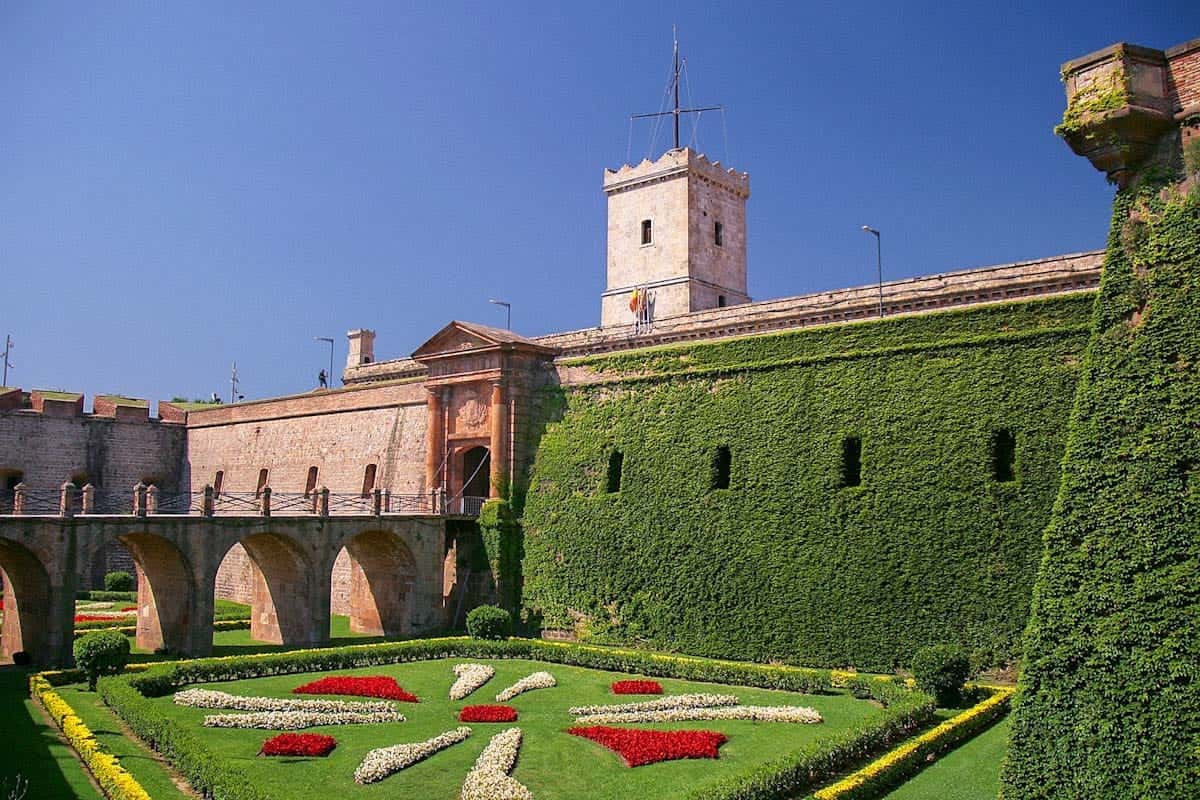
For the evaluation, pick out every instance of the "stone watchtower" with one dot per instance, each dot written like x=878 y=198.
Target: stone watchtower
x=676 y=228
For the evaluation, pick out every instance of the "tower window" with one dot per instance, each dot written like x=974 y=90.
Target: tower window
x=721 y=463
x=368 y=480
x=616 y=460
x=851 y=461
x=718 y=234
x=1004 y=456
x=647 y=231
x=311 y=482
x=218 y=479
x=720 y=301
x=262 y=482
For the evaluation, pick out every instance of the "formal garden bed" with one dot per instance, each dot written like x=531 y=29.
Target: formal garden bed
x=718 y=730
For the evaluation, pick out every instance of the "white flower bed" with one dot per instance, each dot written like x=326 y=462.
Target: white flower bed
x=470 y=678
x=669 y=703
x=207 y=698
x=489 y=778
x=756 y=713
x=538 y=680
x=384 y=761
x=295 y=720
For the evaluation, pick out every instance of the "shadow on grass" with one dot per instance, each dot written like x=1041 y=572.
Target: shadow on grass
x=32 y=748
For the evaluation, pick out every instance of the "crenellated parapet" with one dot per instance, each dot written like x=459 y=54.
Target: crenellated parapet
x=1129 y=105
x=672 y=163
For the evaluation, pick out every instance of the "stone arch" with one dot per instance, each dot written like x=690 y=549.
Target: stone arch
x=166 y=593
x=373 y=580
x=281 y=595
x=26 y=603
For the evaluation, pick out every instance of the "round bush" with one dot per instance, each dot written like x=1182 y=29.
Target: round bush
x=103 y=653
x=941 y=671
x=489 y=622
x=119 y=582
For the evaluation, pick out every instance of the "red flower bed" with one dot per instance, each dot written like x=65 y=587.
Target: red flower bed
x=637 y=687
x=487 y=714
x=96 y=618
x=649 y=747
x=359 y=686
x=298 y=744
x=129 y=608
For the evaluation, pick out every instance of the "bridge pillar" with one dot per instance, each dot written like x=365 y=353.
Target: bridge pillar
x=38 y=561
x=168 y=615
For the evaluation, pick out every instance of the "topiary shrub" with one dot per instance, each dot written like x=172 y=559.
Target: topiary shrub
x=941 y=671
x=489 y=622
x=103 y=653
x=119 y=582
x=21 y=658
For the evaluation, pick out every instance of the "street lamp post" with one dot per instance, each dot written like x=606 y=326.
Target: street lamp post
x=508 y=312
x=878 y=263
x=330 y=341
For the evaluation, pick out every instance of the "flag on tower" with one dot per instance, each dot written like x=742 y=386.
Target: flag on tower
x=635 y=301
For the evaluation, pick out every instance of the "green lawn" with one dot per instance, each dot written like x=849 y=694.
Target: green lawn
x=970 y=772
x=553 y=764
x=32 y=748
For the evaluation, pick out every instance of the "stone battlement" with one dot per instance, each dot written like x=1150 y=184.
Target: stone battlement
x=672 y=163
x=1057 y=275
x=54 y=403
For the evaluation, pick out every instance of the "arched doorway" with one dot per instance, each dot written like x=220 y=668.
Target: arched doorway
x=26 y=603
x=166 y=594
x=372 y=582
x=277 y=584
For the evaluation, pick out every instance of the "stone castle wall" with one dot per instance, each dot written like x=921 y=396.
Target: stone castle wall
x=113 y=452
x=339 y=432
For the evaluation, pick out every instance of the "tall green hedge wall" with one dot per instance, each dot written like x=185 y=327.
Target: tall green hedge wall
x=1110 y=699
x=787 y=563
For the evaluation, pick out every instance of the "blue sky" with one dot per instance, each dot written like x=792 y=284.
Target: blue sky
x=187 y=185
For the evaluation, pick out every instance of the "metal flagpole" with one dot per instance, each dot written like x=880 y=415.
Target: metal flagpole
x=8 y=345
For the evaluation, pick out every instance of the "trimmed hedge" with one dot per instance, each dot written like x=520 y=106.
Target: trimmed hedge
x=489 y=622
x=915 y=754
x=788 y=563
x=108 y=597
x=119 y=581
x=114 y=780
x=1110 y=693
x=902 y=712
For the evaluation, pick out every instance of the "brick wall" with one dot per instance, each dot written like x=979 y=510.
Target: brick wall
x=338 y=432
x=1184 y=75
x=112 y=454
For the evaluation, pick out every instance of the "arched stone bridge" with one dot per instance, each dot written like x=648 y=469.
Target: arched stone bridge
x=396 y=581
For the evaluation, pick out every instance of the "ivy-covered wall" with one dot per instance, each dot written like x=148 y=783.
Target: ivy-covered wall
x=789 y=563
x=1109 y=707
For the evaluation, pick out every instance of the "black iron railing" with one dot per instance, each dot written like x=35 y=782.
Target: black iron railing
x=68 y=500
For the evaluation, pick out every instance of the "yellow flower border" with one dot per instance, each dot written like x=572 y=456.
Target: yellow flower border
x=115 y=782
x=911 y=752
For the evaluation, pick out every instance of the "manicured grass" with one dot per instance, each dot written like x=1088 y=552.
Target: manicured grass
x=33 y=749
x=149 y=772
x=971 y=772
x=553 y=764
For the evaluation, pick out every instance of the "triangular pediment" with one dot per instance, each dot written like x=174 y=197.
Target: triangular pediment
x=454 y=338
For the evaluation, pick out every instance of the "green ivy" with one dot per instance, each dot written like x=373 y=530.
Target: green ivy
x=1110 y=694
x=786 y=564
x=501 y=535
